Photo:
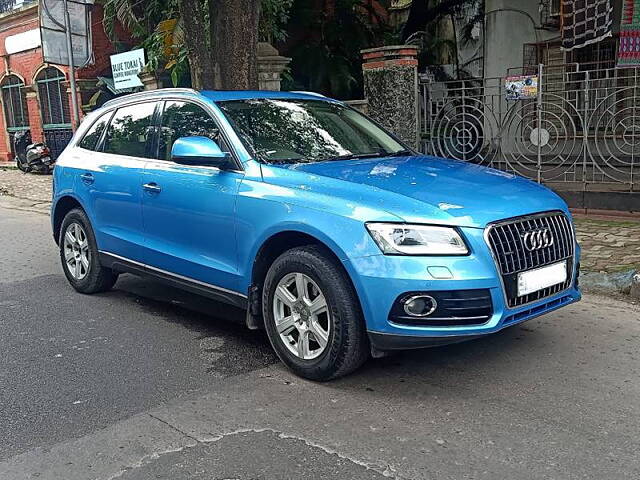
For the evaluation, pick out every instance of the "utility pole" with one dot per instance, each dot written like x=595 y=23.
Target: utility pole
x=72 y=72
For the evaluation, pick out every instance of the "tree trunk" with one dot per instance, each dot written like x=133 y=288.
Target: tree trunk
x=234 y=43
x=200 y=57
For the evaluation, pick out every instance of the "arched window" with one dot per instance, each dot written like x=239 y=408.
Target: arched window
x=54 y=101
x=14 y=101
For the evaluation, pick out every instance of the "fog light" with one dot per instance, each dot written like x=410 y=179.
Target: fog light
x=420 y=305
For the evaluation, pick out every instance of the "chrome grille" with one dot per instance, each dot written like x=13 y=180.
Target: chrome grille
x=507 y=241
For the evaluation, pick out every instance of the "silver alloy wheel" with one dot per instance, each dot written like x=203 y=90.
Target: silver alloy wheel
x=76 y=251
x=302 y=316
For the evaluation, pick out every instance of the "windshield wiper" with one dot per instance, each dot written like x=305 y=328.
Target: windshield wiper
x=351 y=156
x=400 y=153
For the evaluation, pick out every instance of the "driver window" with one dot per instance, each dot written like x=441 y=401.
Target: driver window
x=184 y=119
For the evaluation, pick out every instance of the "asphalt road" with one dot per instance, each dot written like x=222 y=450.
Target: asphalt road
x=146 y=382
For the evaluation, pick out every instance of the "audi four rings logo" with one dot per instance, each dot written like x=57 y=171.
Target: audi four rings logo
x=537 y=239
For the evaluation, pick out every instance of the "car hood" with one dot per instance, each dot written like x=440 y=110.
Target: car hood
x=456 y=192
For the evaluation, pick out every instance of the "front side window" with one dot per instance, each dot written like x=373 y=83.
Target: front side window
x=306 y=131
x=184 y=119
x=90 y=139
x=130 y=130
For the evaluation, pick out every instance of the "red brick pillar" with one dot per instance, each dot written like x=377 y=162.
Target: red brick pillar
x=5 y=148
x=35 y=119
x=391 y=89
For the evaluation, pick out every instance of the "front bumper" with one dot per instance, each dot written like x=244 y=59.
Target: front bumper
x=381 y=279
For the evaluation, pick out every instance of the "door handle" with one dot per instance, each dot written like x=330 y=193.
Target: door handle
x=87 y=178
x=152 y=187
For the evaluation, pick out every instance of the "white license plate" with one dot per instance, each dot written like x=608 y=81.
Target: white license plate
x=544 y=277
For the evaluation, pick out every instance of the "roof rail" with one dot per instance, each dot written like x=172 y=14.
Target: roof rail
x=314 y=94
x=148 y=93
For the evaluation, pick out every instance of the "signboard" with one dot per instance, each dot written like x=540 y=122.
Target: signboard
x=22 y=41
x=126 y=67
x=521 y=87
x=53 y=32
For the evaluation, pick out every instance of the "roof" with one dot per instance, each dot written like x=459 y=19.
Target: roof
x=224 y=95
x=218 y=95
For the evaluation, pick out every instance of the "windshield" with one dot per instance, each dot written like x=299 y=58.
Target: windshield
x=307 y=131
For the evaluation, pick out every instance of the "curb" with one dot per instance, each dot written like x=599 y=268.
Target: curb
x=626 y=283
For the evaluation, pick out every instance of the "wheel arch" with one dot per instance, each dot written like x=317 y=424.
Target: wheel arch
x=274 y=246
x=63 y=206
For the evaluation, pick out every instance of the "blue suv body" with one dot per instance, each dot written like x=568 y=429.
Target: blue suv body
x=336 y=238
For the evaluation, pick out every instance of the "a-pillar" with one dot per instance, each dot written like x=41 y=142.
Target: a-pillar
x=391 y=89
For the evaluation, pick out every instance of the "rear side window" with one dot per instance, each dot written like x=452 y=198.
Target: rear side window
x=90 y=139
x=130 y=130
x=184 y=119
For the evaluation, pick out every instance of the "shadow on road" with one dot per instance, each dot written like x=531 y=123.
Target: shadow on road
x=493 y=358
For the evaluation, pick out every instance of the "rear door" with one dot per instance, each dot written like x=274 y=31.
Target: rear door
x=110 y=182
x=189 y=211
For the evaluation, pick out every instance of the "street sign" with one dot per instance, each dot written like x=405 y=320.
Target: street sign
x=53 y=32
x=126 y=67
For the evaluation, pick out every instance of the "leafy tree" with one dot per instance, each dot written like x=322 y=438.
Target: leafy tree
x=424 y=12
x=431 y=25
x=326 y=39
x=215 y=41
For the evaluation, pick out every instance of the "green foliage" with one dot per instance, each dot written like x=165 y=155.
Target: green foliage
x=148 y=23
x=274 y=16
x=326 y=53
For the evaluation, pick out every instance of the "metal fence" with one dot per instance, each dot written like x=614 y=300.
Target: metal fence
x=580 y=131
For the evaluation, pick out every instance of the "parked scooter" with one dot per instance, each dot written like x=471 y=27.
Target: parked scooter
x=32 y=157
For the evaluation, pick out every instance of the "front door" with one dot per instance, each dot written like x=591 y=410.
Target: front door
x=189 y=211
x=110 y=178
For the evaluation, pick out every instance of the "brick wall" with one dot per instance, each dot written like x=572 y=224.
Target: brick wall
x=27 y=64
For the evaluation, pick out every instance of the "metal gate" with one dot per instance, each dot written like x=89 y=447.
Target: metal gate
x=581 y=129
x=57 y=140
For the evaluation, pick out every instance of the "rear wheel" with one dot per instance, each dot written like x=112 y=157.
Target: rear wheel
x=313 y=316
x=79 y=255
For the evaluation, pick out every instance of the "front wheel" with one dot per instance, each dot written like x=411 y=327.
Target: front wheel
x=79 y=255
x=23 y=167
x=313 y=316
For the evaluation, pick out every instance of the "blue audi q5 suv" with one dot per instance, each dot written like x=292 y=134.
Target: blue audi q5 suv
x=338 y=239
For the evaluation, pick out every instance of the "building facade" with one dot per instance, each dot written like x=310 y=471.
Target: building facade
x=36 y=96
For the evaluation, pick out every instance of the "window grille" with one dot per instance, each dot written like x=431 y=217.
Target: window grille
x=15 y=103
x=54 y=101
x=550 y=14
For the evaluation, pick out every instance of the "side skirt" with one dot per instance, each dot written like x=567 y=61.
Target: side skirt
x=123 y=265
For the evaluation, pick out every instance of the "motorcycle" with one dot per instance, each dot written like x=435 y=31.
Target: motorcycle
x=32 y=157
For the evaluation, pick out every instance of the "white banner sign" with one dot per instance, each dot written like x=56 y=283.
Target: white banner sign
x=126 y=67
x=22 y=41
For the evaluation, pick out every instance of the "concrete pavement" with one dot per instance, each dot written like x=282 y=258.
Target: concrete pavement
x=170 y=386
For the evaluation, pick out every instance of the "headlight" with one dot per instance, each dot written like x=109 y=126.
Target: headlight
x=401 y=239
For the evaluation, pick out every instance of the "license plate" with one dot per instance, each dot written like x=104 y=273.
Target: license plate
x=544 y=277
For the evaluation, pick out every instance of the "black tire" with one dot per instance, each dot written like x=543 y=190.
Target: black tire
x=348 y=344
x=98 y=278
x=21 y=166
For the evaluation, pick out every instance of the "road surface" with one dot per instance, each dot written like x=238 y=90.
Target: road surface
x=147 y=382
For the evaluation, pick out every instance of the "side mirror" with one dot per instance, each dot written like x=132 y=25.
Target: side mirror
x=199 y=151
